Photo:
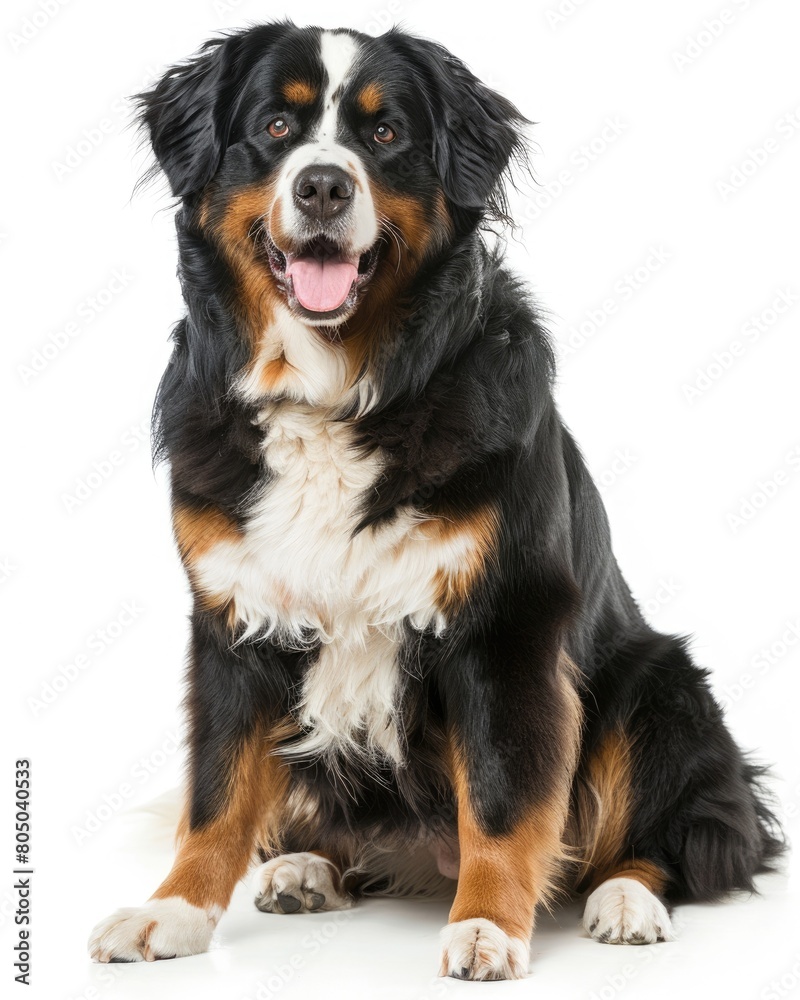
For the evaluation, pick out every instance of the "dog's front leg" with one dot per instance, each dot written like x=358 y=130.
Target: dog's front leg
x=236 y=788
x=512 y=765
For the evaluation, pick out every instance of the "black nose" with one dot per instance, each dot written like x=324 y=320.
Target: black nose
x=323 y=190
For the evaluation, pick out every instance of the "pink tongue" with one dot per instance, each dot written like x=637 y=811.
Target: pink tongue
x=321 y=286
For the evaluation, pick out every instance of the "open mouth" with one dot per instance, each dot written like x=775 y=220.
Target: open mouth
x=322 y=281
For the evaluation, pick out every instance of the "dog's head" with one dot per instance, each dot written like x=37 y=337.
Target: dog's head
x=328 y=166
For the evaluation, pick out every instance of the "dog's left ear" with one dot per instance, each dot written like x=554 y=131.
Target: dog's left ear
x=476 y=131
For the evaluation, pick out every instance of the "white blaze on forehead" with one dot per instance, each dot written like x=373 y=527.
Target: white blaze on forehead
x=339 y=53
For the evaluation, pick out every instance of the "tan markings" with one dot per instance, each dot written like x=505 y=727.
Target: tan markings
x=203 y=210
x=236 y=225
x=144 y=941
x=284 y=729
x=453 y=586
x=226 y=606
x=503 y=878
x=235 y=222
x=410 y=233
x=198 y=529
x=602 y=803
x=183 y=827
x=570 y=681
x=420 y=229
x=651 y=875
x=300 y=92
x=273 y=372
x=370 y=98
x=354 y=175
x=212 y=858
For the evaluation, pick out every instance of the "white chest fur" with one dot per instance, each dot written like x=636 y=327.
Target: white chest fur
x=298 y=573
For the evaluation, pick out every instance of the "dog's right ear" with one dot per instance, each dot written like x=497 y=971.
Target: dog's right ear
x=184 y=118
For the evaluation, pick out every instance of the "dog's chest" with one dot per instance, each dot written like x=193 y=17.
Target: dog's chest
x=302 y=575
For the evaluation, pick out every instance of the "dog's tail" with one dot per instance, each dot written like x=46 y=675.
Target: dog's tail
x=158 y=820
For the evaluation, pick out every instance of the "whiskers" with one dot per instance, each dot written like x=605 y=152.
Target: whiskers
x=259 y=233
x=393 y=232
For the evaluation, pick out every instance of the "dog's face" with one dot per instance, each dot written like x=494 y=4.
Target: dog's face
x=328 y=166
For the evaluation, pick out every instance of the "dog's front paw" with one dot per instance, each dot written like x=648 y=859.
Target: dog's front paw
x=300 y=883
x=162 y=928
x=623 y=911
x=478 y=949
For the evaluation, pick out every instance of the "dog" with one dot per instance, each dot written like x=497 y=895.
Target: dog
x=414 y=662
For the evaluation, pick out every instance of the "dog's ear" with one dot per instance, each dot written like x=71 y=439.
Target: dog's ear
x=477 y=132
x=189 y=113
x=180 y=116
x=184 y=117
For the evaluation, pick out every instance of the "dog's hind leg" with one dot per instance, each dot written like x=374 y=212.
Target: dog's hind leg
x=666 y=806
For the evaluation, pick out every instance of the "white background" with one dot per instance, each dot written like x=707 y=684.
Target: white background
x=94 y=689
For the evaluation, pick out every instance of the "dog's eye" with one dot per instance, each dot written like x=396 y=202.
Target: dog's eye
x=278 y=128
x=384 y=133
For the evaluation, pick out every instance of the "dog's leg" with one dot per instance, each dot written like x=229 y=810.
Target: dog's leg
x=512 y=809
x=624 y=887
x=237 y=788
x=182 y=913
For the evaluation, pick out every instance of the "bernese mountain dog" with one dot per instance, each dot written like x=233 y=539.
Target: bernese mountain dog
x=414 y=661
